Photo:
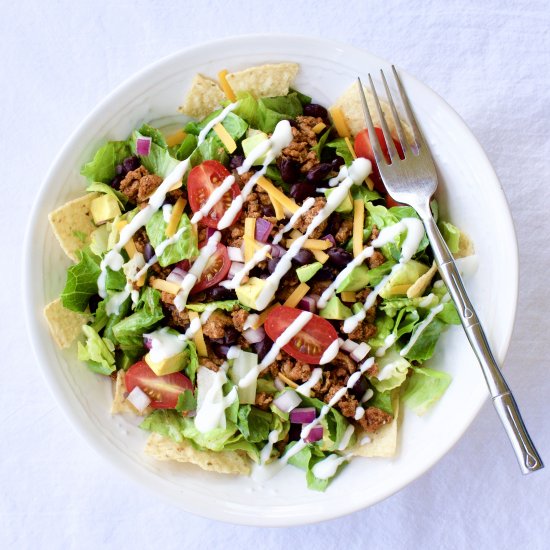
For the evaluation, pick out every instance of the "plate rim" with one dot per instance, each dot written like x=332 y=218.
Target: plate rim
x=35 y=326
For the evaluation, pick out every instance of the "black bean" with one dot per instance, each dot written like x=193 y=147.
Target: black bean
x=94 y=302
x=301 y=191
x=218 y=293
x=314 y=109
x=231 y=335
x=337 y=162
x=115 y=182
x=268 y=211
x=318 y=173
x=131 y=163
x=262 y=348
x=339 y=257
x=148 y=252
x=303 y=257
x=359 y=388
x=236 y=161
x=290 y=170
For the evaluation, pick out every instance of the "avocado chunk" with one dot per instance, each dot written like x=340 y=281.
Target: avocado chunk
x=251 y=142
x=346 y=206
x=249 y=292
x=356 y=280
x=306 y=272
x=168 y=365
x=335 y=309
x=403 y=278
x=104 y=209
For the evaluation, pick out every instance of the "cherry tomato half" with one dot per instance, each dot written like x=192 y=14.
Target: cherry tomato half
x=202 y=181
x=162 y=390
x=216 y=269
x=363 y=149
x=310 y=343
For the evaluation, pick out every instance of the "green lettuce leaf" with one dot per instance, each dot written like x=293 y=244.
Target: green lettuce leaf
x=393 y=371
x=363 y=192
x=424 y=388
x=129 y=331
x=186 y=402
x=103 y=166
x=186 y=147
x=381 y=400
x=384 y=326
x=158 y=161
x=342 y=149
x=184 y=248
x=155 y=135
x=264 y=114
x=98 y=353
x=236 y=127
x=254 y=423
x=81 y=282
x=304 y=99
x=321 y=143
x=225 y=305
x=210 y=149
x=306 y=460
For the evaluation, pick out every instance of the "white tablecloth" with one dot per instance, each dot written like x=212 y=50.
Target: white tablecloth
x=489 y=59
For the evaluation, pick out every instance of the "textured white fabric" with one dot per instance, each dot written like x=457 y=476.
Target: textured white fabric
x=490 y=60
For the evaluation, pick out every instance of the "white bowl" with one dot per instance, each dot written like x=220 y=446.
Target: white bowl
x=470 y=195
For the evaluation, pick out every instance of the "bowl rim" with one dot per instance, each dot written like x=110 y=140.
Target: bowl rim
x=35 y=328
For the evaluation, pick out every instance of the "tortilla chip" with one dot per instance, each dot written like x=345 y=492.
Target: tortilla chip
x=65 y=325
x=224 y=462
x=465 y=246
x=264 y=80
x=421 y=284
x=350 y=104
x=72 y=224
x=202 y=98
x=383 y=443
x=120 y=403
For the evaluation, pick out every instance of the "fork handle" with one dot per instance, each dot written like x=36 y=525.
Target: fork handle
x=503 y=400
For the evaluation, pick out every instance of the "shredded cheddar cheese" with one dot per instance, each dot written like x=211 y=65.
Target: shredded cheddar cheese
x=358 y=223
x=224 y=85
x=130 y=246
x=312 y=244
x=340 y=122
x=347 y=296
x=318 y=128
x=225 y=138
x=198 y=337
x=299 y=292
x=278 y=195
x=175 y=217
x=320 y=256
x=350 y=147
x=249 y=238
x=166 y=286
x=176 y=138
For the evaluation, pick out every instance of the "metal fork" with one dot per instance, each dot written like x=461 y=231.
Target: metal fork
x=413 y=181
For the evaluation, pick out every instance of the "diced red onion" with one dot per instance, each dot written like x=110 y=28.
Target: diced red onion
x=209 y=232
x=143 y=146
x=235 y=254
x=176 y=275
x=287 y=401
x=349 y=345
x=139 y=399
x=148 y=252
x=253 y=336
x=304 y=415
x=315 y=434
x=308 y=303
x=147 y=342
x=360 y=352
x=277 y=250
x=235 y=267
x=263 y=230
x=279 y=384
x=330 y=238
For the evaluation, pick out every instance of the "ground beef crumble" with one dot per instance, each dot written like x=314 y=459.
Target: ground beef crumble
x=304 y=138
x=138 y=185
x=302 y=223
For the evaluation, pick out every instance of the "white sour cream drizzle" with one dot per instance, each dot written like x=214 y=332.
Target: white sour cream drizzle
x=331 y=290
x=196 y=270
x=305 y=388
x=258 y=257
x=327 y=467
x=359 y=413
x=164 y=344
x=415 y=233
x=330 y=353
x=389 y=341
x=346 y=437
x=272 y=147
x=424 y=324
x=356 y=173
x=265 y=453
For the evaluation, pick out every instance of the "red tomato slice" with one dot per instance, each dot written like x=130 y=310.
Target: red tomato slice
x=310 y=343
x=390 y=202
x=363 y=149
x=216 y=269
x=162 y=390
x=202 y=181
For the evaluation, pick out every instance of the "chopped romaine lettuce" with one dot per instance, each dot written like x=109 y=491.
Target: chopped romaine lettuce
x=424 y=388
x=342 y=149
x=81 y=282
x=155 y=135
x=392 y=373
x=225 y=305
x=158 y=161
x=254 y=423
x=103 y=166
x=184 y=248
x=98 y=353
x=451 y=234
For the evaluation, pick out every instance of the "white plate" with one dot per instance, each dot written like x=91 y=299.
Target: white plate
x=470 y=195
